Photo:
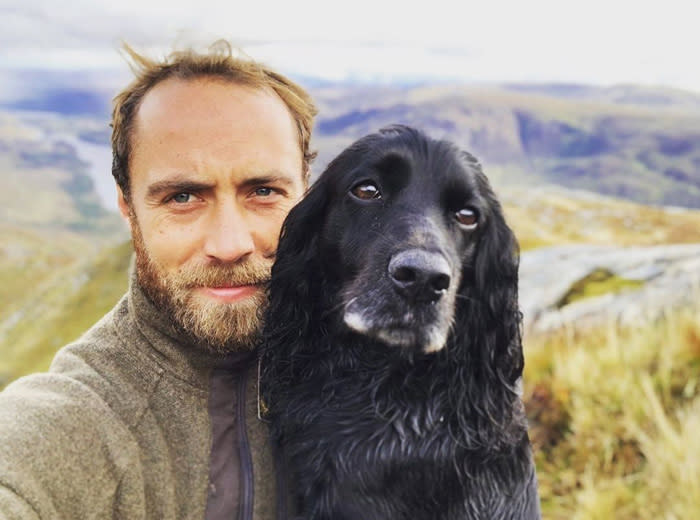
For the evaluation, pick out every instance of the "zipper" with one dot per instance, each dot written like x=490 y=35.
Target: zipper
x=247 y=491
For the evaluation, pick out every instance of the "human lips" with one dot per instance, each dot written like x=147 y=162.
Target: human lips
x=229 y=294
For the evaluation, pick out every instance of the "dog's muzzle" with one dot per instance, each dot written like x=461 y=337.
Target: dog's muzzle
x=410 y=305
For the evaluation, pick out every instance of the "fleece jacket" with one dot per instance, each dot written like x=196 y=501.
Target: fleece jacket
x=133 y=423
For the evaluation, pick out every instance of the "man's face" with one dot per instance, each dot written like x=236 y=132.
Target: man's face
x=215 y=167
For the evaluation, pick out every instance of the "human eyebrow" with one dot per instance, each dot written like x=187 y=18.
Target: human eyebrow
x=265 y=180
x=159 y=188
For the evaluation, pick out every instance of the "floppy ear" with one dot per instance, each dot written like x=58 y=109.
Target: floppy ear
x=296 y=274
x=487 y=332
x=496 y=284
x=491 y=295
x=293 y=291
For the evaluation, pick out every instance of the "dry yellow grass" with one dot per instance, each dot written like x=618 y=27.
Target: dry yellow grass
x=615 y=416
x=551 y=215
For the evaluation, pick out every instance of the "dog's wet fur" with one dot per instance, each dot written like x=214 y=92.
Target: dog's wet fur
x=391 y=356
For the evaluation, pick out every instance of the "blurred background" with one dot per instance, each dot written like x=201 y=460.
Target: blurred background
x=584 y=115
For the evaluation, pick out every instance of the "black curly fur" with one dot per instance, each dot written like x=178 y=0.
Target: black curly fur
x=376 y=431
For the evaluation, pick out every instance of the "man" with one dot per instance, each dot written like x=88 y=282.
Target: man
x=152 y=413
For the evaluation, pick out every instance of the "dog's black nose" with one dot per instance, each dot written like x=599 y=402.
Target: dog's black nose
x=420 y=275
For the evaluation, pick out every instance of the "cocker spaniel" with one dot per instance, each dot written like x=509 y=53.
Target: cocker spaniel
x=391 y=356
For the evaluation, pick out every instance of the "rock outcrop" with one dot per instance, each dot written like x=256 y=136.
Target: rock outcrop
x=669 y=276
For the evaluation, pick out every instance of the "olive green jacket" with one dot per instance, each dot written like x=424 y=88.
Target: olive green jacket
x=131 y=423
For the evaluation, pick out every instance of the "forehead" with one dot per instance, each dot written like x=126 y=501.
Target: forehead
x=173 y=104
x=212 y=125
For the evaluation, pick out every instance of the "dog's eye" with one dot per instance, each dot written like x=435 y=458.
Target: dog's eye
x=366 y=190
x=467 y=217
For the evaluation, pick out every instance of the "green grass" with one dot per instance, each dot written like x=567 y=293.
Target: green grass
x=552 y=216
x=64 y=307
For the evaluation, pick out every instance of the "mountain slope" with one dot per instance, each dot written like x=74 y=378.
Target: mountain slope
x=47 y=186
x=53 y=226
x=640 y=144
x=59 y=309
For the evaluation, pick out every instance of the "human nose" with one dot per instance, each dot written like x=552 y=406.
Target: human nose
x=229 y=237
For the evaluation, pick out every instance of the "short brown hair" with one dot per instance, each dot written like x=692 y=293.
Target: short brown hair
x=219 y=62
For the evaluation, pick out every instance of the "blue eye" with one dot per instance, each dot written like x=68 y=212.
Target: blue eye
x=263 y=191
x=182 y=198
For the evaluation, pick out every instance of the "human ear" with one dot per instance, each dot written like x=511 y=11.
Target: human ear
x=124 y=207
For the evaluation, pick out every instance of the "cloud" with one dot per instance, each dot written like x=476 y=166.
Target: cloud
x=596 y=41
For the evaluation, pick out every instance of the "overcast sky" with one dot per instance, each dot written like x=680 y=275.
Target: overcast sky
x=594 y=41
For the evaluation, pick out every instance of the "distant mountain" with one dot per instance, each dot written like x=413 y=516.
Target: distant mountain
x=638 y=143
x=66 y=92
x=642 y=144
x=648 y=97
x=64 y=101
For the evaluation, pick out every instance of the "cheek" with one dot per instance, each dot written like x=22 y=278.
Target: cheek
x=266 y=231
x=171 y=246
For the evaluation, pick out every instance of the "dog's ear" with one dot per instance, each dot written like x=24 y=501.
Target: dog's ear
x=491 y=293
x=296 y=282
x=487 y=329
x=296 y=272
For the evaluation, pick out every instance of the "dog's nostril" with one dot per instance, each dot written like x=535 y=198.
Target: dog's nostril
x=404 y=274
x=440 y=282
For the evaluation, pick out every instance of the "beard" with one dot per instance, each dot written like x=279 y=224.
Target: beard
x=219 y=328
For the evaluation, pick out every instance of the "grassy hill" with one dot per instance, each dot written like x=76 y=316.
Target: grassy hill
x=55 y=238
x=57 y=306
x=551 y=215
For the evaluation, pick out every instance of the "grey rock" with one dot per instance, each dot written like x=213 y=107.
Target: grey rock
x=670 y=276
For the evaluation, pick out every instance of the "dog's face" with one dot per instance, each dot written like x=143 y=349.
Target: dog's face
x=403 y=218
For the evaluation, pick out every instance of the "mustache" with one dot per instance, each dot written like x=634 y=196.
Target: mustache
x=248 y=273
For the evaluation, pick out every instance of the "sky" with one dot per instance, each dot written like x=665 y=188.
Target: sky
x=599 y=42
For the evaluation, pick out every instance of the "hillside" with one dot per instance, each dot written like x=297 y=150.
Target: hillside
x=630 y=142
x=638 y=143
x=57 y=308
x=547 y=215
x=55 y=231
x=47 y=184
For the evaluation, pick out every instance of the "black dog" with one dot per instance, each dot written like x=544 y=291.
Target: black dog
x=392 y=356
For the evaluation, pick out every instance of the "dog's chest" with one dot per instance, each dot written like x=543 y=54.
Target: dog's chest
x=356 y=427
x=386 y=433
x=369 y=458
